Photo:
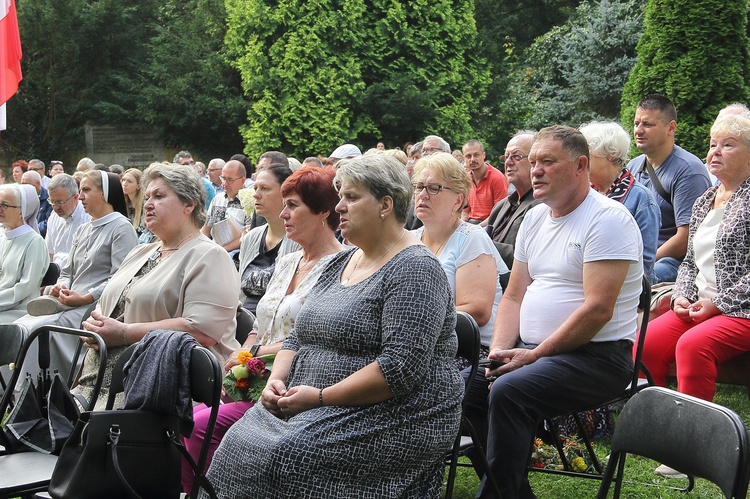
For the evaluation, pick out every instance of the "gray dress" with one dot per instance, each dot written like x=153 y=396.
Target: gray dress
x=403 y=317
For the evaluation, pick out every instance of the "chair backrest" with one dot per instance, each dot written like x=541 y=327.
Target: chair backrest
x=52 y=274
x=691 y=435
x=469 y=342
x=117 y=383
x=644 y=303
x=245 y=321
x=42 y=336
x=205 y=377
x=11 y=340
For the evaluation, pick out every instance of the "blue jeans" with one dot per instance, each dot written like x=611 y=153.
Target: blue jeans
x=665 y=270
x=519 y=400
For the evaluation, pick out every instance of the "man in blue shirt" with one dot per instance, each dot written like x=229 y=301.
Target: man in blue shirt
x=680 y=179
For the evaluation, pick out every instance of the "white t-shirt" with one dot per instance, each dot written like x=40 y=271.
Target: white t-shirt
x=555 y=250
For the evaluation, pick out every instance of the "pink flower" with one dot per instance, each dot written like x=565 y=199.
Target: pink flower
x=256 y=367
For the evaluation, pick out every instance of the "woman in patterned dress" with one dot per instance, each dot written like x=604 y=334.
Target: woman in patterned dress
x=710 y=318
x=309 y=218
x=366 y=379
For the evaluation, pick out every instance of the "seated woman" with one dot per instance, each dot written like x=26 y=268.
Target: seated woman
x=184 y=282
x=309 y=218
x=260 y=247
x=133 y=190
x=99 y=247
x=609 y=145
x=369 y=363
x=468 y=255
x=24 y=254
x=710 y=318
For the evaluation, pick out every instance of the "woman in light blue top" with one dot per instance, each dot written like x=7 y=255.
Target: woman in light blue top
x=609 y=144
x=468 y=255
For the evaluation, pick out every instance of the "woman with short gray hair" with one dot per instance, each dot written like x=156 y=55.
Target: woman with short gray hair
x=609 y=144
x=372 y=348
x=183 y=282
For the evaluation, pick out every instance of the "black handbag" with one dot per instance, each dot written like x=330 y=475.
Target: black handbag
x=43 y=417
x=120 y=454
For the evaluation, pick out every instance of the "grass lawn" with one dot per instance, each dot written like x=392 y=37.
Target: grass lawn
x=640 y=481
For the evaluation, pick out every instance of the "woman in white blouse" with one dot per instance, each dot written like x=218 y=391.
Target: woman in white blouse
x=23 y=255
x=309 y=219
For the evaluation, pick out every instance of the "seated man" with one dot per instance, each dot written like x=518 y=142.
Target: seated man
x=67 y=217
x=227 y=204
x=488 y=184
x=568 y=315
x=507 y=215
x=675 y=176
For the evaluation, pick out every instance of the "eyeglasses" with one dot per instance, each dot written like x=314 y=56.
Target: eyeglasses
x=5 y=206
x=432 y=189
x=38 y=169
x=61 y=203
x=214 y=169
x=53 y=163
x=228 y=180
x=515 y=157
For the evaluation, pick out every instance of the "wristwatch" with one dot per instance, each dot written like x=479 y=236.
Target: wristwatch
x=254 y=349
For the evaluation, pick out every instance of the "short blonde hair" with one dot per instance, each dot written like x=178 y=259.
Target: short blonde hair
x=449 y=169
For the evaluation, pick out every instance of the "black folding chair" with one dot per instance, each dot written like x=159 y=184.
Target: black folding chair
x=469 y=345
x=11 y=340
x=245 y=321
x=691 y=435
x=637 y=383
x=24 y=473
x=52 y=274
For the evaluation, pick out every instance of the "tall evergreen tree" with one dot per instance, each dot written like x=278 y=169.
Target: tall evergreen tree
x=697 y=54
x=322 y=72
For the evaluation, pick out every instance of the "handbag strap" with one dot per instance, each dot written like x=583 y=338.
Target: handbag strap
x=114 y=438
x=200 y=478
x=655 y=180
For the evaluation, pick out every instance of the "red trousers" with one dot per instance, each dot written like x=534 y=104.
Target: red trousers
x=696 y=348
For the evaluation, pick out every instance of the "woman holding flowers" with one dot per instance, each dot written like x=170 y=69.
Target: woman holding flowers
x=309 y=219
x=368 y=363
x=260 y=247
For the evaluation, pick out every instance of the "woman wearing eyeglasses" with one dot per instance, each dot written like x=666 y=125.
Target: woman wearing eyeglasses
x=468 y=256
x=23 y=253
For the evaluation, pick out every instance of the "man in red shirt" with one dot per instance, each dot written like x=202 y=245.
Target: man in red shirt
x=489 y=185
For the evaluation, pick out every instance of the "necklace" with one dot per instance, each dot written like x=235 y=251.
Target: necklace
x=179 y=245
x=453 y=229
x=312 y=260
x=356 y=264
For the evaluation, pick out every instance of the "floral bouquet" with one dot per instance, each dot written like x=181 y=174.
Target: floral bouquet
x=546 y=456
x=247 y=200
x=246 y=380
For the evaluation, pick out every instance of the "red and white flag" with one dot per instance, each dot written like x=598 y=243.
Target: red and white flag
x=10 y=51
x=10 y=55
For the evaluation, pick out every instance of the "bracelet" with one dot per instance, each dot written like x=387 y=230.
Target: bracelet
x=125 y=335
x=320 y=397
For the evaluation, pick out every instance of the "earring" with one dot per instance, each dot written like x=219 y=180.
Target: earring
x=382 y=215
x=323 y=223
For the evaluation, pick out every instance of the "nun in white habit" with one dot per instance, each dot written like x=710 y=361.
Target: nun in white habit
x=23 y=254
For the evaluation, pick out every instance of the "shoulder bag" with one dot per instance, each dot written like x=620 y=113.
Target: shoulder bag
x=119 y=454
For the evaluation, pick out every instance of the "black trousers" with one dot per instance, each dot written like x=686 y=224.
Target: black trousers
x=510 y=412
